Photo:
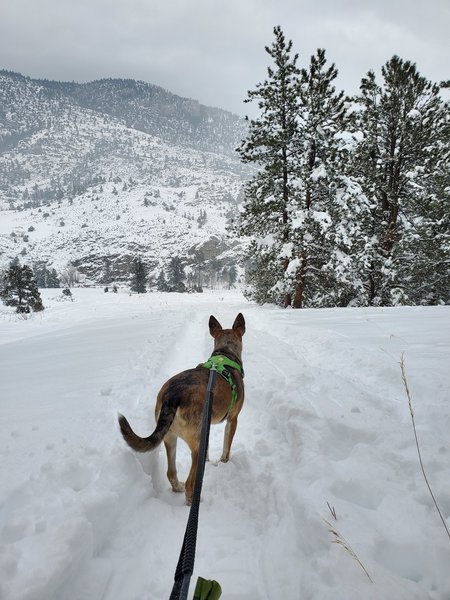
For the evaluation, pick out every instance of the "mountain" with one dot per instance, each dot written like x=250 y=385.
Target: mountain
x=107 y=170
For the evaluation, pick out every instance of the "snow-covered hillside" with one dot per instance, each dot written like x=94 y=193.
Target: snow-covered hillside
x=117 y=225
x=88 y=182
x=326 y=420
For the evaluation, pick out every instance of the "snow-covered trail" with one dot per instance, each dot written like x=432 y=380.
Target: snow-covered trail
x=325 y=420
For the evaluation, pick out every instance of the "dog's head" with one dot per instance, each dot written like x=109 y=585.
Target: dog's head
x=228 y=339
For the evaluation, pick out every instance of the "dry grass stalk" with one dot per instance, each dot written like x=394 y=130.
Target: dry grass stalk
x=338 y=539
x=332 y=511
x=408 y=393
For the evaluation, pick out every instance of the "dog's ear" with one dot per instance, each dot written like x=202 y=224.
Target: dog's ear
x=239 y=324
x=214 y=326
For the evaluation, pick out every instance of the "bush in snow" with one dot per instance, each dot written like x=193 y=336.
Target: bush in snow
x=67 y=294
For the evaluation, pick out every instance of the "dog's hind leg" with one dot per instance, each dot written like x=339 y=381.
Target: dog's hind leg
x=190 y=481
x=170 y=442
x=230 y=430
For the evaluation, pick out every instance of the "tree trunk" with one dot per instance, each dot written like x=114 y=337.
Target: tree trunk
x=300 y=287
x=298 y=298
x=371 y=285
x=287 y=300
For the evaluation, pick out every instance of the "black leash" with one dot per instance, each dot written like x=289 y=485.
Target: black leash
x=185 y=566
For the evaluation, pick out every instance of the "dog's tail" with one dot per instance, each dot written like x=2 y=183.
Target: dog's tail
x=140 y=444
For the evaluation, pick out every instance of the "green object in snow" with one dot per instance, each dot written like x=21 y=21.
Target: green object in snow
x=207 y=590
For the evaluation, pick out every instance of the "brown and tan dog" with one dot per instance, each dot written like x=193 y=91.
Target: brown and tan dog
x=180 y=402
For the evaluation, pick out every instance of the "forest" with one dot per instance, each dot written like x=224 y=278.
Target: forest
x=350 y=202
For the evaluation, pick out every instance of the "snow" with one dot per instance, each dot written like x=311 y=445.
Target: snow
x=326 y=420
x=414 y=114
x=318 y=172
x=91 y=225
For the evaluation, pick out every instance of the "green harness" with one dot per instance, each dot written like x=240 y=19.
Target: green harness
x=220 y=363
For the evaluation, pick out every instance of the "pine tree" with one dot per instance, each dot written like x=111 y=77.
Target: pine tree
x=401 y=123
x=138 y=276
x=45 y=278
x=327 y=202
x=106 y=274
x=303 y=208
x=175 y=275
x=202 y=218
x=425 y=244
x=53 y=279
x=20 y=289
x=232 y=276
x=161 y=283
x=41 y=274
x=270 y=145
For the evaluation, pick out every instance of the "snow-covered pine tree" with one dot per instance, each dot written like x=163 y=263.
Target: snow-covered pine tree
x=53 y=279
x=270 y=146
x=161 y=283
x=425 y=244
x=138 y=276
x=231 y=276
x=45 y=278
x=106 y=275
x=327 y=206
x=20 y=289
x=175 y=275
x=399 y=122
x=41 y=274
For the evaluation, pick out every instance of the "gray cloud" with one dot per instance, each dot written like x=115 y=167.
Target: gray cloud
x=213 y=50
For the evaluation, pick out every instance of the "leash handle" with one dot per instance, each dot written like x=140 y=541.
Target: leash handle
x=185 y=566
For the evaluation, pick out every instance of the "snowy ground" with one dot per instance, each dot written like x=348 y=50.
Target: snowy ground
x=326 y=420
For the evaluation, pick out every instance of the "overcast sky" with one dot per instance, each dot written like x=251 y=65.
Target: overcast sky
x=213 y=50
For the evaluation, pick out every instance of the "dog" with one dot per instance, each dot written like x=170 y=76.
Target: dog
x=180 y=403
